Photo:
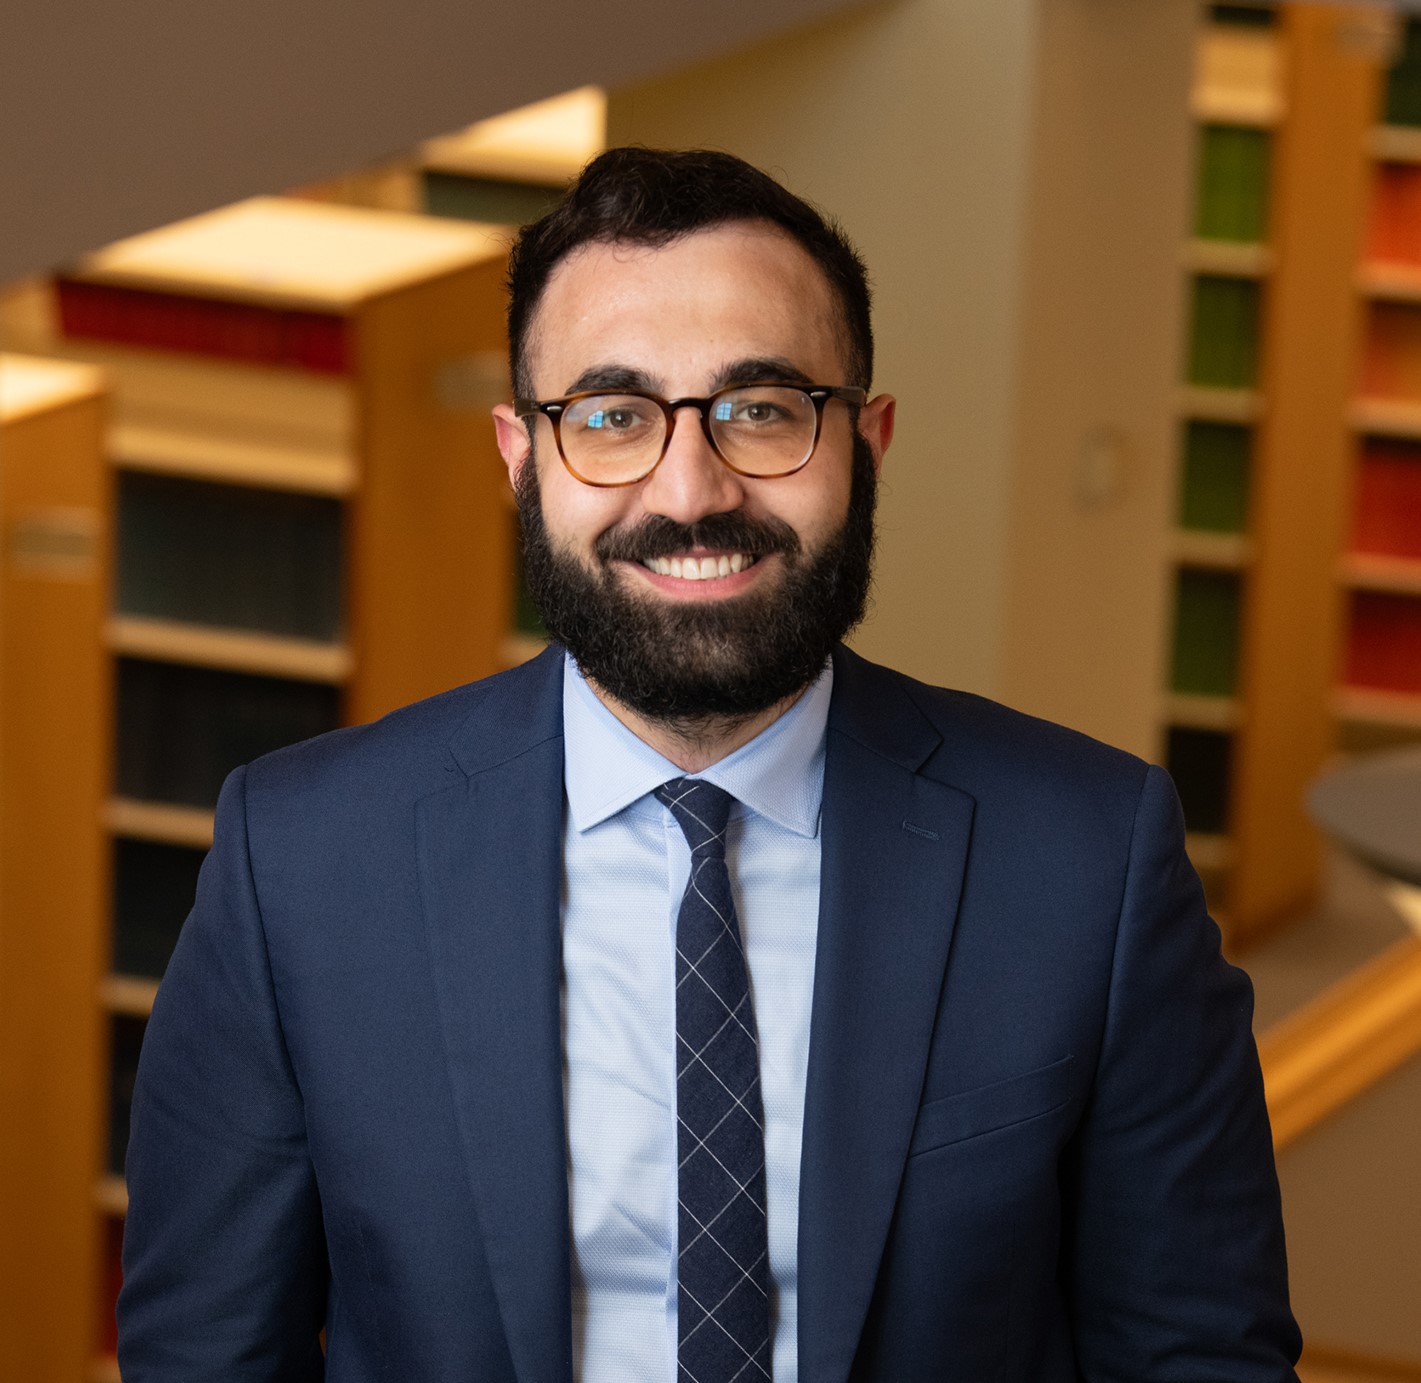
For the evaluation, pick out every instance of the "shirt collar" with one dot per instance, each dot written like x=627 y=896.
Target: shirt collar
x=779 y=774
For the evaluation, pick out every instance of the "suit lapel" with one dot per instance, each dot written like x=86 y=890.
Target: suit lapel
x=490 y=849
x=894 y=851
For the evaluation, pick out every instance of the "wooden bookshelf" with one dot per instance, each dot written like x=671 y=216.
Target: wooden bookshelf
x=54 y=732
x=1286 y=108
x=310 y=530
x=1378 y=699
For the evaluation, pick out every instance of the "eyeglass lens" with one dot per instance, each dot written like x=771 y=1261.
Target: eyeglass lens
x=763 y=429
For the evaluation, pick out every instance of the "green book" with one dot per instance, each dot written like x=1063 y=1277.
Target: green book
x=1214 y=478
x=1199 y=761
x=467 y=198
x=1223 y=333
x=229 y=555
x=1245 y=16
x=1206 y=629
x=1402 y=100
x=1232 y=197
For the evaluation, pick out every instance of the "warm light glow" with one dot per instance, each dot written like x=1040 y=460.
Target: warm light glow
x=548 y=141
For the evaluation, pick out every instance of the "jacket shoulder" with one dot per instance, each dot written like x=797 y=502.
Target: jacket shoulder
x=415 y=749
x=979 y=743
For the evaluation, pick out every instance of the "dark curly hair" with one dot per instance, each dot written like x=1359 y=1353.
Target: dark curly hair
x=655 y=196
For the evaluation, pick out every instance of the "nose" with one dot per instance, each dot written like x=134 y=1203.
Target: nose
x=691 y=482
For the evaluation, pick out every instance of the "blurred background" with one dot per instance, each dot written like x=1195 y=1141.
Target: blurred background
x=1148 y=289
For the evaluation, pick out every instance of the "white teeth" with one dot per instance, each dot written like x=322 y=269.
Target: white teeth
x=699 y=568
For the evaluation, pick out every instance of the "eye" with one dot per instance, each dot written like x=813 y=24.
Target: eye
x=762 y=407
x=611 y=417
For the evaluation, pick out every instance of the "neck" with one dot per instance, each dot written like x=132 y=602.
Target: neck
x=694 y=743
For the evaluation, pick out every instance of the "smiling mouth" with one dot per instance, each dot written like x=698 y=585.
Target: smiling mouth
x=700 y=568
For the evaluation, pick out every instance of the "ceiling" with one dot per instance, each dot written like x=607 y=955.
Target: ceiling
x=118 y=117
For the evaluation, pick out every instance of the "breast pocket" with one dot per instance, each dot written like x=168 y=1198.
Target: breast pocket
x=990 y=1108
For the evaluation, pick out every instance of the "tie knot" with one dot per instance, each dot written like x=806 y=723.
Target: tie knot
x=701 y=810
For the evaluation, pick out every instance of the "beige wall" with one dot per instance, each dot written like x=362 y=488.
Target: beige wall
x=855 y=115
x=999 y=163
x=1094 y=454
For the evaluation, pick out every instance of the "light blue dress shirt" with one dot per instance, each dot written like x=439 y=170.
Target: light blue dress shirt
x=625 y=867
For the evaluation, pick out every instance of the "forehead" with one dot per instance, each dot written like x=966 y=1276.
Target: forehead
x=683 y=311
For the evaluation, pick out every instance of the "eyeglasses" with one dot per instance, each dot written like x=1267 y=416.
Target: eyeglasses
x=760 y=430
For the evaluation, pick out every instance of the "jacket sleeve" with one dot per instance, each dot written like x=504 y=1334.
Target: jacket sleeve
x=224 y=1259
x=1174 y=1250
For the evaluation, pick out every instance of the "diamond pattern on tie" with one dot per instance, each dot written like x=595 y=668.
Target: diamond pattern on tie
x=723 y=1302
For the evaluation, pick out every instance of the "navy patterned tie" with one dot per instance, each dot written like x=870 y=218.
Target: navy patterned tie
x=723 y=1302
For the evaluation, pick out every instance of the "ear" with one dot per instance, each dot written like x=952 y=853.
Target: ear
x=876 y=420
x=514 y=444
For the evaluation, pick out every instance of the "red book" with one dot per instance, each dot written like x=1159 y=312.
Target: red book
x=205 y=326
x=1384 y=642
x=1386 y=519
x=112 y=1282
x=1394 y=232
x=1391 y=362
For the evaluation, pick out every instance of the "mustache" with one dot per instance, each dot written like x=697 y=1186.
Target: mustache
x=660 y=536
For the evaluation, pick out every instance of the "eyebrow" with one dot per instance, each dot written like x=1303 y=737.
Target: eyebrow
x=610 y=376
x=750 y=370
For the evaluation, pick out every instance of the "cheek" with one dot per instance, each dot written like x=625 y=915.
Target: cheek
x=576 y=515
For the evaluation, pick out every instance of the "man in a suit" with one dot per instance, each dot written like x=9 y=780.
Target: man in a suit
x=700 y=1001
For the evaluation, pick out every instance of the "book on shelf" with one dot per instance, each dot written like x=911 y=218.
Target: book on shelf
x=1402 y=102
x=1223 y=337
x=1384 y=642
x=1386 y=517
x=250 y=332
x=1231 y=200
x=1214 y=480
x=181 y=730
x=1394 y=217
x=154 y=887
x=126 y=1037
x=228 y=555
x=1200 y=762
x=1206 y=633
x=493 y=201
x=110 y=1286
x=1391 y=353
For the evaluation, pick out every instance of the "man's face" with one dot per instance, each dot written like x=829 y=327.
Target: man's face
x=736 y=303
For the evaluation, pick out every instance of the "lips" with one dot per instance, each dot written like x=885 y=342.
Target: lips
x=699 y=568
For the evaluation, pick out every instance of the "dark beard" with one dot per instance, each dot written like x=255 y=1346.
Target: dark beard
x=694 y=665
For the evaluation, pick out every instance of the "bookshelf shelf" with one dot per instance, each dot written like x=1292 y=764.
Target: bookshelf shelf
x=131 y=995
x=111 y=1196
x=1209 y=852
x=1221 y=405
x=1374 y=417
x=1366 y=571
x=1366 y=706
x=1228 y=259
x=1239 y=78
x=104 y=1370
x=235 y=460
x=233 y=650
x=1396 y=144
x=1390 y=282
x=1211 y=551
x=160 y=822
x=1203 y=712
x=521 y=648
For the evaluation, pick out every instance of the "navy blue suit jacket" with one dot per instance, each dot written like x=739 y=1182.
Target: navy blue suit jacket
x=1035 y=1146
